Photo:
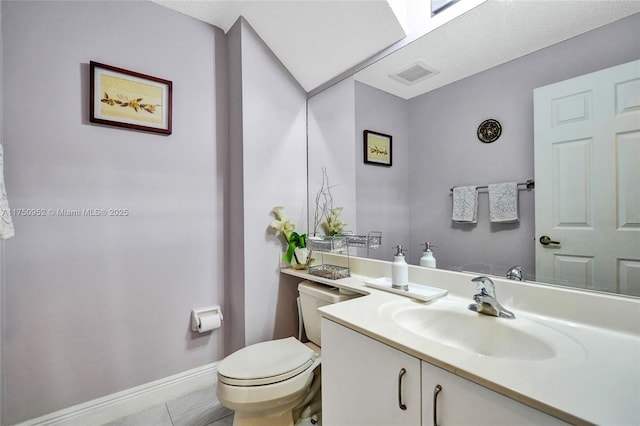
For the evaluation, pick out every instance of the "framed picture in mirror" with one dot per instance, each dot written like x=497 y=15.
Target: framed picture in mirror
x=377 y=148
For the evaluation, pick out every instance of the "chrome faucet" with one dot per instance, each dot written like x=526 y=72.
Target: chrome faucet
x=515 y=273
x=486 y=301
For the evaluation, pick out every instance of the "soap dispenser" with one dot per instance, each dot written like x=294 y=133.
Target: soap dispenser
x=399 y=271
x=427 y=258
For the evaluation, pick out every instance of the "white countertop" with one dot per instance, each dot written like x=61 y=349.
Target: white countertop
x=597 y=381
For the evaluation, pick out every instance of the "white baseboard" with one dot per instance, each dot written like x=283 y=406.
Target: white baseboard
x=111 y=407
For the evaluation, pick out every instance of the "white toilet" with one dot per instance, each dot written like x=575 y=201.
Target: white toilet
x=271 y=383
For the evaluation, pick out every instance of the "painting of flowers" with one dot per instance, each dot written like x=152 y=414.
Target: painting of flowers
x=128 y=99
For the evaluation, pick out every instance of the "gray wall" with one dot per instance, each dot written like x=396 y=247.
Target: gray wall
x=382 y=197
x=95 y=305
x=445 y=152
x=234 y=302
x=331 y=146
x=267 y=169
x=274 y=174
x=98 y=305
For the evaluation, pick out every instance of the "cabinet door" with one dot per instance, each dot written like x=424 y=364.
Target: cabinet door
x=462 y=402
x=363 y=383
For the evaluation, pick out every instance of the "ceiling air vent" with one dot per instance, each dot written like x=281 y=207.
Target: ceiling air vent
x=413 y=73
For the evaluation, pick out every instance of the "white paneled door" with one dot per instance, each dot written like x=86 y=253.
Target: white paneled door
x=587 y=168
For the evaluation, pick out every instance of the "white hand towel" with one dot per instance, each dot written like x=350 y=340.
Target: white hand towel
x=503 y=202
x=465 y=204
x=6 y=224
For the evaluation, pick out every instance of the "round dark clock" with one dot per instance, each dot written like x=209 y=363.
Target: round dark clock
x=489 y=130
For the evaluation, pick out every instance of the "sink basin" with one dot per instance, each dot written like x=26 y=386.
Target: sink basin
x=457 y=327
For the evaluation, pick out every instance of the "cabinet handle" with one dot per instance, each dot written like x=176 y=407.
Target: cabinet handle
x=400 y=404
x=436 y=391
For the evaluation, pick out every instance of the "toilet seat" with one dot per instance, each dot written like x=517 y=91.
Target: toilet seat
x=266 y=363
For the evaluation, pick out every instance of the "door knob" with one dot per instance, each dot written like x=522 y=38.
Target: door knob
x=545 y=241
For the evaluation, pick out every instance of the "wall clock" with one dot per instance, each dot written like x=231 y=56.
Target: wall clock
x=489 y=130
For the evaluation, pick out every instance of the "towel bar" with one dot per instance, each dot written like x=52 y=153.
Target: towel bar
x=529 y=184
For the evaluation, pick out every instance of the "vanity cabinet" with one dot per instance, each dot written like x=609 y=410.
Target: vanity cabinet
x=366 y=382
x=458 y=401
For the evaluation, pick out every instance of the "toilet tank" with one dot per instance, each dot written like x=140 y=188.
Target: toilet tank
x=312 y=297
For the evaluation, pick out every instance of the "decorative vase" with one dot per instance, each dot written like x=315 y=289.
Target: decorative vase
x=301 y=259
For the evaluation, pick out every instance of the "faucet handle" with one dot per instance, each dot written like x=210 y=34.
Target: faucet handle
x=515 y=273
x=486 y=300
x=485 y=286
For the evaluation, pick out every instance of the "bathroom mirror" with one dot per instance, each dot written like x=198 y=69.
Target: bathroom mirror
x=434 y=135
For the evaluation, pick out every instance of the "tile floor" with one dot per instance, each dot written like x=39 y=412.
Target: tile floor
x=200 y=408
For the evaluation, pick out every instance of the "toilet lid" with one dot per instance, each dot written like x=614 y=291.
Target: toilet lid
x=266 y=363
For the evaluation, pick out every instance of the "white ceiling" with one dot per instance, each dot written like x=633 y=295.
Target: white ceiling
x=316 y=40
x=321 y=40
x=491 y=34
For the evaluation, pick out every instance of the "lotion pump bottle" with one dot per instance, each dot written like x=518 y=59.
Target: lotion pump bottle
x=399 y=271
x=427 y=258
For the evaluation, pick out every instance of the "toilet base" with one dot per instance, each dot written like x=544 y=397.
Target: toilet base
x=249 y=419
x=272 y=409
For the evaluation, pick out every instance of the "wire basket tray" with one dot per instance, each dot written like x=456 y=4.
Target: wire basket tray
x=331 y=272
x=327 y=244
x=373 y=240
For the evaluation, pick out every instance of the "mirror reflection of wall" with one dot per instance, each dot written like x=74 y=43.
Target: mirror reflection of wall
x=435 y=147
